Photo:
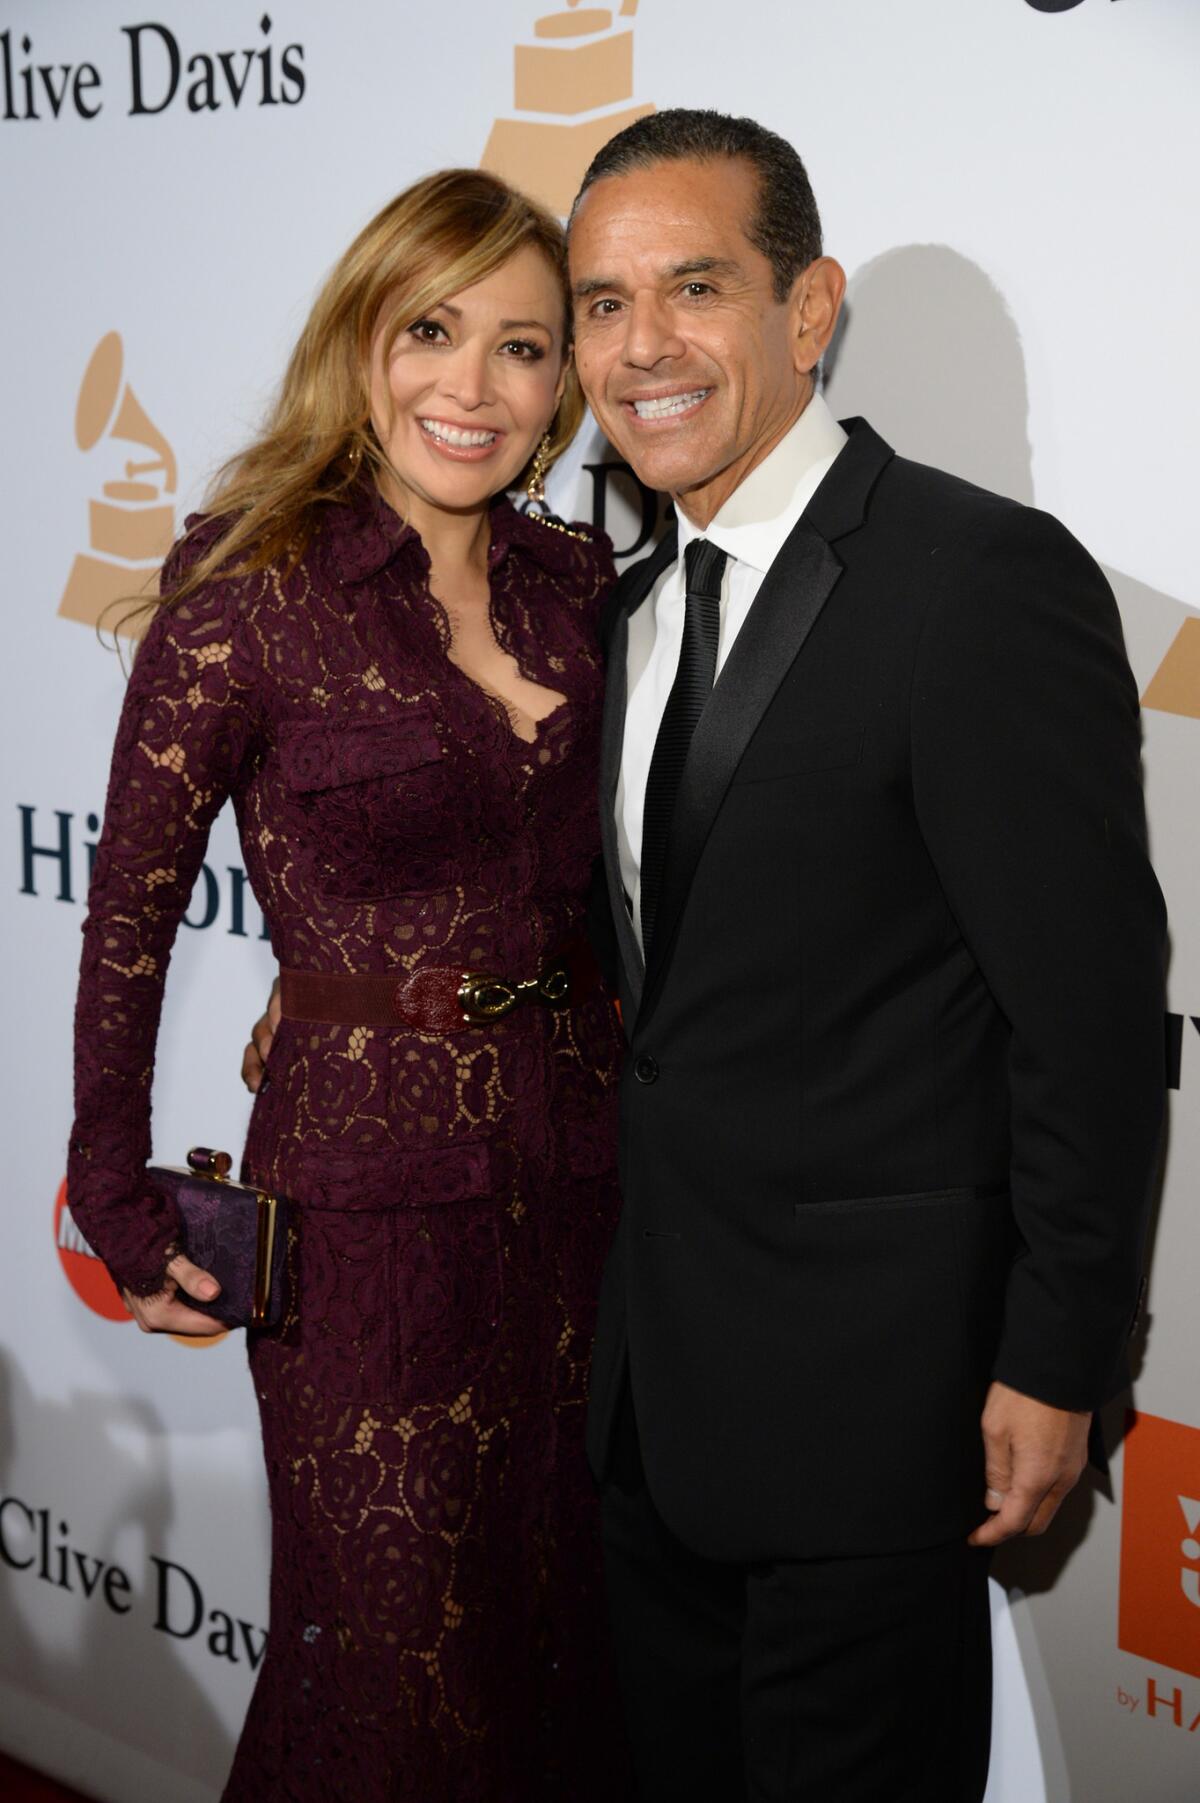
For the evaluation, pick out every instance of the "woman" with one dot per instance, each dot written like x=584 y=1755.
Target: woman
x=394 y=674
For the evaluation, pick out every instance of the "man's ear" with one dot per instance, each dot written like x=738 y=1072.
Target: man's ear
x=816 y=301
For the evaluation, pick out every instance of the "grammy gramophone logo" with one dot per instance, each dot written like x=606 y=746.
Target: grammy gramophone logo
x=1175 y=686
x=132 y=523
x=573 y=90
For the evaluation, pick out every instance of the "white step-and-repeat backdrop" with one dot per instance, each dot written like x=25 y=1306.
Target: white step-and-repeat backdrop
x=1013 y=186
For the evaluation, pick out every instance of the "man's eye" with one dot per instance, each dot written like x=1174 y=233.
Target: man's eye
x=695 y=290
x=603 y=309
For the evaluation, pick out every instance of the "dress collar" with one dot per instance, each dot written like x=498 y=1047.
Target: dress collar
x=363 y=532
x=530 y=536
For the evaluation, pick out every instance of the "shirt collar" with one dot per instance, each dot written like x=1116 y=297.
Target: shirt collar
x=761 y=512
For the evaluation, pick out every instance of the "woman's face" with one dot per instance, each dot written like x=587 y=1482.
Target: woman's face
x=470 y=388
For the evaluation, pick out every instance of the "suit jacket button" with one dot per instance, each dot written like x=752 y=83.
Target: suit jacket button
x=645 y=1069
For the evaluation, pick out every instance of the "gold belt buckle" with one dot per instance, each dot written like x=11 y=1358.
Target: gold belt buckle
x=554 y=986
x=484 y=999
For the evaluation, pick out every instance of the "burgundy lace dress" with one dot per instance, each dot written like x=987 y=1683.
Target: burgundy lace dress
x=436 y=1630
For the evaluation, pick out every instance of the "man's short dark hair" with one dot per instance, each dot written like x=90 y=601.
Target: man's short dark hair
x=786 y=226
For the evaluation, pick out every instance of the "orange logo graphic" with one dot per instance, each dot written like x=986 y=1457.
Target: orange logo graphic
x=131 y=526
x=86 y=1275
x=1160 y=1544
x=580 y=68
x=1175 y=685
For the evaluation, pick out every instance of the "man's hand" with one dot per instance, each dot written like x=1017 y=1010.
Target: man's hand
x=254 y=1058
x=1035 y=1454
x=167 y=1313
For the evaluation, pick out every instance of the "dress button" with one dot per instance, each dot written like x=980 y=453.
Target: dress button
x=645 y=1069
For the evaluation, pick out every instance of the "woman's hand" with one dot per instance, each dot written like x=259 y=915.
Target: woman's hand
x=254 y=1058
x=167 y=1313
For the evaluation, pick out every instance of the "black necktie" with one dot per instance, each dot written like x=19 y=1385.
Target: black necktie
x=704 y=564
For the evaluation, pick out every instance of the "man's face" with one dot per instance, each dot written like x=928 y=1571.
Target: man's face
x=692 y=366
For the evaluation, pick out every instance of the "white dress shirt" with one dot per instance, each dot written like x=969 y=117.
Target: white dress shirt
x=751 y=528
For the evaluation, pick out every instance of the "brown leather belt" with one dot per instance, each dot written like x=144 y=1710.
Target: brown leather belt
x=436 y=998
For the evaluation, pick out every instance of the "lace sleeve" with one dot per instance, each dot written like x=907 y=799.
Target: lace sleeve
x=183 y=736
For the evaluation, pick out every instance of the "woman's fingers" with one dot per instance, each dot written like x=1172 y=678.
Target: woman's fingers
x=200 y=1284
x=167 y=1314
x=252 y=1068
x=181 y=1319
x=262 y=1037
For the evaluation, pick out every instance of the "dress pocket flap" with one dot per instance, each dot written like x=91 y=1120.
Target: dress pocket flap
x=402 y=1179
x=325 y=754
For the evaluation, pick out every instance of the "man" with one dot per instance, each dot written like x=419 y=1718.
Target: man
x=890 y=958
x=891 y=962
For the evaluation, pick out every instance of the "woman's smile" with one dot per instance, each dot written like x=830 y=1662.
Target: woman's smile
x=461 y=443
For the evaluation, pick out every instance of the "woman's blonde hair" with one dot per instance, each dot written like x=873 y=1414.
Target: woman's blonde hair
x=438 y=237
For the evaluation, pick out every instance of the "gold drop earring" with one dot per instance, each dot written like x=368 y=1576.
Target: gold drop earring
x=537 y=507
x=535 y=487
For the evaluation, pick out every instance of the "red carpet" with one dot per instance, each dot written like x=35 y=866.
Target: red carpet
x=19 y=1785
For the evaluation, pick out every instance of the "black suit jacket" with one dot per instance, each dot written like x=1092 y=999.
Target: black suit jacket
x=896 y=1075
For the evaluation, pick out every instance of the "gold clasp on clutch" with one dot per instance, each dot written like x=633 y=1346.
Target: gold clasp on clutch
x=264 y=1254
x=207 y=1163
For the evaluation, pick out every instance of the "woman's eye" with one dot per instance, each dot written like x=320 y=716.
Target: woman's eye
x=427 y=331
x=524 y=349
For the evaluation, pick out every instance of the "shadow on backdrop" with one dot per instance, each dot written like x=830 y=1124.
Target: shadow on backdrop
x=120 y=1676
x=928 y=351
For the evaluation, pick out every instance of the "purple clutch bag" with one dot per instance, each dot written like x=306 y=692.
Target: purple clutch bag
x=233 y=1230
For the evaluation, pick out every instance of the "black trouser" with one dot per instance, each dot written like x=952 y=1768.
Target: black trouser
x=853 y=1680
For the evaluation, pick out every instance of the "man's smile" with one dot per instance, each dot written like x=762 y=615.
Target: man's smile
x=665 y=405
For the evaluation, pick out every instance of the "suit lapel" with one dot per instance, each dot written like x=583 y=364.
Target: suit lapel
x=785 y=610
x=631 y=591
x=612 y=737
